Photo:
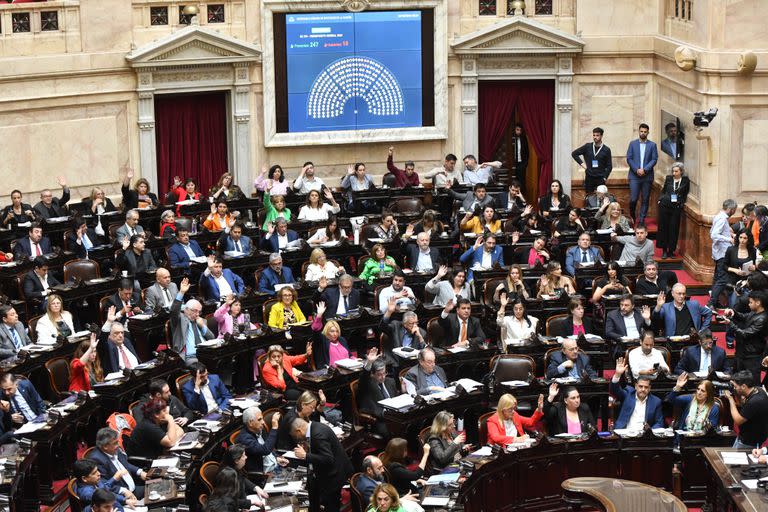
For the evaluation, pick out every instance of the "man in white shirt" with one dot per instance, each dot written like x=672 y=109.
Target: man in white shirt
x=445 y=174
x=638 y=406
x=474 y=173
x=404 y=296
x=643 y=359
x=130 y=228
x=307 y=180
x=119 y=350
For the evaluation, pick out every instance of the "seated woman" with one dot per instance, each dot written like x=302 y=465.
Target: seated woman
x=453 y=288
x=229 y=315
x=85 y=368
x=135 y=258
x=507 y=426
x=445 y=445
x=225 y=189
x=286 y=311
x=612 y=283
x=188 y=192
x=532 y=224
x=156 y=432
x=394 y=459
x=385 y=499
x=55 y=322
x=274 y=182
x=609 y=217
x=387 y=229
x=274 y=206
x=233 y=462
x=356 y=180
x=434 y=228
x=477 y=225
x=88 y=480
x=220 y=219
x=139 y=196
x=555 y=201
x=519 y=326
x=319 y=266
x=698 y=411
x=553 y=282
x=378 y=263
x=538 y=254
x=332 y=346
x=570 y=225
x=328 y=234
x=168 y=224
x=98 y=203
x=316 y=209
x=575 y=324
x=568 y=416
x=17 y=212
x=512 y=286
x=278 y=370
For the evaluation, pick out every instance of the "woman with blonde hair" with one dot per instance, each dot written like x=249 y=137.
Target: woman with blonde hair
x=385 y=499
x=85 y=369
x=445 y=445
x=280 y=373
x=98 y=203
x=507 y=426
x=319 y=266
x=225 y=189
x=512 y=285
x=609 y=216
x=554 y=282
x=332 y=346
x=55 y=322
x=287 y=310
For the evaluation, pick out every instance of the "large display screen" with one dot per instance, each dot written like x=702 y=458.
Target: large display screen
x=348 y=71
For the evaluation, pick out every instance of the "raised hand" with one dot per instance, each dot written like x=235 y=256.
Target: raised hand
x=449 y=306
x=541 y=403
x=321 y=309
x=478 y=243
x=328 y=194
x=62 y=181
x=176 y=181
x=391 y=150
x=391 y=305
x=111 y=314
x=515 y=237
x=503 y=300
x=309 y=349
x=553 y=390
x=184 y=287
x=350 y=169
x=372 y=354
x=213 y=208
x=646 y=312
x=322 y=283
x=621 y=366
x=442 y=271
x=270 y=228
x=264 y=170
x=129 y=173
x=211 y=260
x=125 y=243
x=682 y=379
x=660 y=300
x=275 y=420
x=94 y=341
x=230 y=299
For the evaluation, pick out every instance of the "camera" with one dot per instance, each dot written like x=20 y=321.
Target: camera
x=703 y=119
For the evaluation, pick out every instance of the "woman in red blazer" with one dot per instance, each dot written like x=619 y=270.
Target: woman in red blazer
x=279 y=373
x=85 y=369
x=501 y=424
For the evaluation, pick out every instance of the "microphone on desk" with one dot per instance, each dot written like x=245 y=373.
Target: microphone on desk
x=585 y=376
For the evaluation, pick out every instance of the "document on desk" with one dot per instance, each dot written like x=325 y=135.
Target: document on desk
x=751 y=484
x=485 y=451
x=29 y=427
x=397 y=402
x=456 y=350
x=435 y=501
x=469 y=384
x=114 y=376
x=446 y=394
x=243 y=403
x=444 y=477
x=734 y=458
x=514 y=383
x=168 y=462
x=281 y=487
x=405 y=354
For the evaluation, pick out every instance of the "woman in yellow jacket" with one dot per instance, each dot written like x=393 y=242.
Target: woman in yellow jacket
x=478 y=225
x=286 y=311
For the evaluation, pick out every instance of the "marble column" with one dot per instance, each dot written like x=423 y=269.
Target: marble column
x=469 y=99
x=147 y=140
x=562 y=167
x=241 y=112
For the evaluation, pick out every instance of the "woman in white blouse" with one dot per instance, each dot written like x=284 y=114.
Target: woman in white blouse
x=453 y=288
x=519 y=326
x=55 y=322
x=316 y=209
x=319 y=266
x=330 y=233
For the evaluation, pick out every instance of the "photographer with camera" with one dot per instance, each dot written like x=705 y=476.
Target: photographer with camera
x=750 y=330
x=749 y=410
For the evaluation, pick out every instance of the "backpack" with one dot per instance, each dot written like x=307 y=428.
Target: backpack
x=122 y=423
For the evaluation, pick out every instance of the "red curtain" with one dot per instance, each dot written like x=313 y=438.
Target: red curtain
x=191 y=138
x=536 y=102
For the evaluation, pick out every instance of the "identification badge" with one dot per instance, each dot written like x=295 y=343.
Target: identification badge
x=673 y=198
x=594 y=164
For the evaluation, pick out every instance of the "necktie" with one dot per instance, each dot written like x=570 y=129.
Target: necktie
x=87 y=243
x=346 y=304
x=383 y=390
x=584 y=257
x=127 y=479
x=237 y=246
x=28 y=414
x=15 y=336
x=167 y=297
x=280 y=278
x=124 y=357
x=196 y=334
x=463 y=334
x=37 y=250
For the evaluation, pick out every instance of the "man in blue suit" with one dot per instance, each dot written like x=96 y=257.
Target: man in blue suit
x=110 y=459
x=181 y=253
x=205 y=392
x=32 y=245
x=569 y=362
x=20 y=398
x=484 y=254
x=680 y=316
x=642 y=156
x=582 y=253
x=236 y=241
x=259 y=441
x=217 y=282
x=278 y=236
x=638 y=406
x=702 y=357
x=274 y=274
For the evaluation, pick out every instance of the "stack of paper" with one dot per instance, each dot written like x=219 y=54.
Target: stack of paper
x=514 y=383
x=734 y=458
x=469 y=384
x=397 y=402
x=167 y=462
x=350 y=363
x=243 y=403
x=435 y=501
x=29 y=427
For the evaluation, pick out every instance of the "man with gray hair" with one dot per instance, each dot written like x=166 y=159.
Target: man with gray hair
x=338 y=301
x=274 y=274
x=421 y=257
x=374 y=387
x=722 y=238
x=112 y=463
x=120 y=351
x=600 y=197
x=278 y=235
x=426 y=377
x=130 y=228
x=258 y=444
x=188 y=328
x=405 y=333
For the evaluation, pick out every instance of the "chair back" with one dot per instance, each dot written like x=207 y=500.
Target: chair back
x=134 y=406
x=401 y=377
x=87 y=453
x=184 y=223
x=267 y=307
x=32 y=324
x=556 y=325
x=360 y=418
x=407 y=205
x=389 y=180
x=376 y=293
x=512 y=367
x=482 y=427
x=81 y=269
x=260 y=361
x=75 y=505
x=112 y=230
x=212 y=324
x=356 y=499
x=58 y=375
x=435 y=331
x=208 y=473
x=489 y=289
x=233 y=436
x=180 y=381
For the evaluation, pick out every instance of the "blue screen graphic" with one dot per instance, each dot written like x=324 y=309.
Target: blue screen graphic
x=351 y=71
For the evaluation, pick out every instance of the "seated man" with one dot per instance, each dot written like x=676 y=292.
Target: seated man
x=460 y=328
x=405 y=333
x=50 y=207
x=653 y=281
x=274 y=274
x=375 y=386
x=20 y=399
x=38 y=283
x=599 y=198
x=32 y=245
x=583 y=253
x=703 y=357
x=236 y=241
x=159 y=389
x=188 y=328
x=403 y=177
x=643 y=360
x=339 y=300
x=636 y=247
x=477 y=198
x=204 y=392
x=81 y=239
x=373 y=475
x=135 y=258
x=513 y=199
x=680 y=316
x=638 y=406
x=426 y=377
x=13 y=336
x=404 y=297
x=420 y=257
x=485 y=254
x=112 y=462
x=278 y=236
x=626 y=322
x=130 y=228
x=103 y=501
x=126 y=301
x=570 y=362
x=475 y=173
x=88 y=482
x=161 y=293
x=218 y=282
x=184 y=250
x=259 y=444
x=120 y=353
x=446 y=174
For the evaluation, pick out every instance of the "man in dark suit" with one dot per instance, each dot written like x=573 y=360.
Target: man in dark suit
x=630 y=416
x=32 y=245
x=420 y=257
x=642 y=156
x=236 y=241
x=680 y=316
x=512 y=199
x=461 y=328
x=627 y=322
x=218 y=282
x=259 y=441
x=276 y=273
x=702 y=357
x=20 y=399
x=372 y=388
x=329 y=466
x=405 y=333
x=519 y=153
x=110 y=459
x=81 y=239
x=135 y=258
x=50 y=207
x=159 y=388
x=338 y=301
x=126 y=301
x=278 y=236
x=426 y=377
x=570 y=362
x=652 y=282
x=38 y=283
x=118 y=349
x=180 y=253
x=13 y=336
x=205 y=392
x=582 y=253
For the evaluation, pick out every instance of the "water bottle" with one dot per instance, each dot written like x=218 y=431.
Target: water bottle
x=194 y=226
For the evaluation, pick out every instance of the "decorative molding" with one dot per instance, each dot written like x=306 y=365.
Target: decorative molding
x=564 y=108
x=242 y=119
x=548 y=64
x=146 y=126
x=195 y=43
x=355 y=5
x=565 y=79
x=469 y=109
x=193 y=76
x=146 y=95
x=469 y=80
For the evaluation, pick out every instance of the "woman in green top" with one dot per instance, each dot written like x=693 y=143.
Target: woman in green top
x=275 y=208
x=378 y=262
x=385 y=499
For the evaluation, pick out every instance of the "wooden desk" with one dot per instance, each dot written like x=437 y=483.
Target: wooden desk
x=721 y=477
x=614 y=495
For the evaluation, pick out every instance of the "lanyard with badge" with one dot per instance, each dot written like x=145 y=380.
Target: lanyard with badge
x=675 y=186
x=595 y=164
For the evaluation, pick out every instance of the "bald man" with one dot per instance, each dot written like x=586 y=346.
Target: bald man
x=161 y=293
x=680 y=316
